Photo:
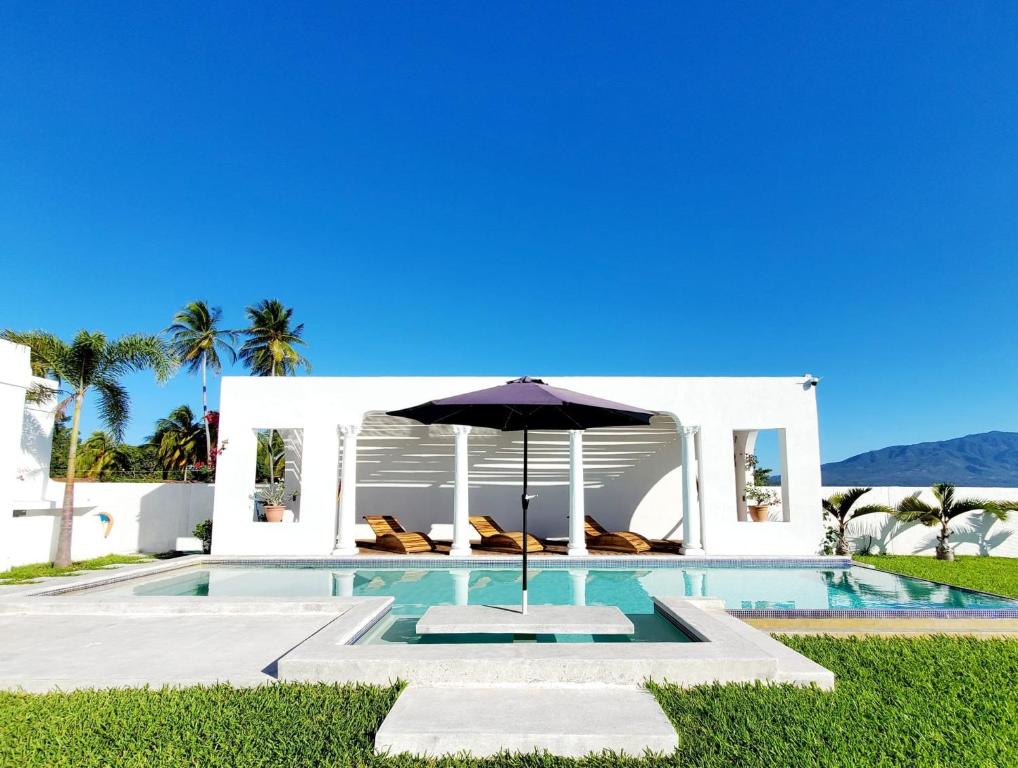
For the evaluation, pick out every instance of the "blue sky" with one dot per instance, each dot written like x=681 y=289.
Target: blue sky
x=585 y=188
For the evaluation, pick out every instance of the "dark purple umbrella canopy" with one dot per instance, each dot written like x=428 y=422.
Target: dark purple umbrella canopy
x=525 y=404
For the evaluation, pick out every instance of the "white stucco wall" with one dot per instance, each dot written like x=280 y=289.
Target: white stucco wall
x=973 y=534
x=147 y=517
x=645 y=497
x=15 y=377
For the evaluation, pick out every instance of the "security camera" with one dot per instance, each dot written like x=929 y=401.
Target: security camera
x=811 y=380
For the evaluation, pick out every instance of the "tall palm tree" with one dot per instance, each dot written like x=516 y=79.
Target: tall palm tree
x=199 y=343
x=90 y=361
x=270 y=347
x=841 y=506
x=177 y=439
x=912 y=509
x=271 y=456
x=101 y=454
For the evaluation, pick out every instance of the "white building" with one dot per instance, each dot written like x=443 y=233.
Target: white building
x=681 y=477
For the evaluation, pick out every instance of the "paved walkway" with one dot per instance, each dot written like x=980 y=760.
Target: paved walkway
x=42 y=653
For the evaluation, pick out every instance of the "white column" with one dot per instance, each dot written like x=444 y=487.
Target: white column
x=461 y=494
x=691 y=544
x=343 y=583
x=577 y=534
x=578 y=578
x=460 y=585
x=345 y=543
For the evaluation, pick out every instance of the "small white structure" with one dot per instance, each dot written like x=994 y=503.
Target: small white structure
x=26 y=437
x=681 y=477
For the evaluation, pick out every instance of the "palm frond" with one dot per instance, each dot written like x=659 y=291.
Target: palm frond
x=912 y=509
x=114 y=405
x=944 y=494
x=269 y=347
x=49 y=353
x=195 y=332
x=961 y=506
x=869 y=509
x=135 y=352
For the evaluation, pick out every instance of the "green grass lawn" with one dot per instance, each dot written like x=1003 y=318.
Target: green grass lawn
x=25 y=574
x=988 y=574
x=936 y=701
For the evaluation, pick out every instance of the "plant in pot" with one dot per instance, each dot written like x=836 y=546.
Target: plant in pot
x=759 y=499
x=272 y=499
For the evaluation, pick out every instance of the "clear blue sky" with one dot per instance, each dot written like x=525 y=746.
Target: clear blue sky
x=588 y=188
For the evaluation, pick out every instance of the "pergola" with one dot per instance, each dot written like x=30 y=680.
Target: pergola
x=385 y=452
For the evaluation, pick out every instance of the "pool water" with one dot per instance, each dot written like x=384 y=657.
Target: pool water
x=631 y=590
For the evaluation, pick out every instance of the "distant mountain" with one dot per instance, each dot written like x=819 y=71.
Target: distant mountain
x=988 y=459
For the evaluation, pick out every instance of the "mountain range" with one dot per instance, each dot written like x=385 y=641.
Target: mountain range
x=988 y=459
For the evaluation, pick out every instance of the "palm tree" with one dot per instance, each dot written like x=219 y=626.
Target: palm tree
x=270 y=347
x=177 y=439
x=271 y=456
x=198 y=342
x=841 y=507
x=101 y=454
x=91 y=361
x=912 y=509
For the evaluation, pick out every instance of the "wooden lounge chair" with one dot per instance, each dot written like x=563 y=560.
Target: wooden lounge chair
x=598 y=537
x=498 y=540
x=393 y=537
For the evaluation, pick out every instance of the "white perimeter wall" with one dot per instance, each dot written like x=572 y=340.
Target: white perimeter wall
x=147 y=517
x=972 y=534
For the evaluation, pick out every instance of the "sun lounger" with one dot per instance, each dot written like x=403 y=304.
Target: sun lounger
x=393 y=537
x=498 y=540
x=598 y=537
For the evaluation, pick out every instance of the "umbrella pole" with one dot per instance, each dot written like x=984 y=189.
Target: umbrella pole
x=526 y=503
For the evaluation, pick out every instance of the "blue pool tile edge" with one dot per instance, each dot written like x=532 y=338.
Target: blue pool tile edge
x=607 y=563
x=875 y=613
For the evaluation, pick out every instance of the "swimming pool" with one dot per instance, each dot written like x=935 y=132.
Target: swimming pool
x=632 y=590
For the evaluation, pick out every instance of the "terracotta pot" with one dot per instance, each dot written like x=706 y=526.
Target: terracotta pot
x=273 y=513
x=758 y=514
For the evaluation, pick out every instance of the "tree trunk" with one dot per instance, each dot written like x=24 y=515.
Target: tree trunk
x=63 y=558
x=842 y=547
x=271 y=455
x=205 y=411
x=943 y=549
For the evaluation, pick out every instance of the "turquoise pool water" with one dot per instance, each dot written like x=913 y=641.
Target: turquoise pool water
x=631 y=590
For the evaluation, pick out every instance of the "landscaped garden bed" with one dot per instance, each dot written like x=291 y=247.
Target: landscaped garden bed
x=910 y=702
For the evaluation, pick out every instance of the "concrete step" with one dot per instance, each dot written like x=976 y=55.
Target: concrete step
x=564 y=720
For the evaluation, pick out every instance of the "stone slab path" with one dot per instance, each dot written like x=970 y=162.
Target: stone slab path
x=565 y=720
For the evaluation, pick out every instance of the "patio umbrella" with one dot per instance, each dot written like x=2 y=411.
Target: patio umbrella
x=525 y=404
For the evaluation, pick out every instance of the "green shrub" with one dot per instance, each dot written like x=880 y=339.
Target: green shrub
x=203 y=531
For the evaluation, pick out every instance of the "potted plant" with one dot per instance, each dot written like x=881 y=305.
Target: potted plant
x=759 y=501
x=272 y=499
